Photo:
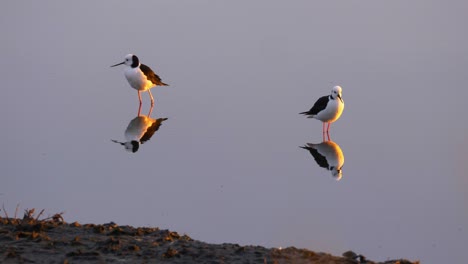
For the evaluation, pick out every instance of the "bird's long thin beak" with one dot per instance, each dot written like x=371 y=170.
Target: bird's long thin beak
x=115 y=141
x=339 y=96
x=118 y=64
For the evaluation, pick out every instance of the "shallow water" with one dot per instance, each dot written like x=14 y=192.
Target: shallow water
x=227 y=164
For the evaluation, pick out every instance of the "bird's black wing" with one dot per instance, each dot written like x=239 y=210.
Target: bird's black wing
x=152 y=129
x=153 y=77
x=318 y=106
x=319 y=158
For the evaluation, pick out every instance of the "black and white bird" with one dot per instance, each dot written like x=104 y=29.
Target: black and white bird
x=139 y=130
x=327 y=108
x=328 y=155
x=140 y=76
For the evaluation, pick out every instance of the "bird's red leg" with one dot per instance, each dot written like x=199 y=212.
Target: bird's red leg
x=139 y=97
x=323 y=128
x=151 y=96
x=328 y=128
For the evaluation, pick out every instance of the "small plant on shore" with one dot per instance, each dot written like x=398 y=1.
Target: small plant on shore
x=29 y=217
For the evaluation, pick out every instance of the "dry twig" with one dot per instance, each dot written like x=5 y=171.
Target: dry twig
x=40 y=213
x=56 y=217
x=6 y=214
x=28 y=214
x=16 y=210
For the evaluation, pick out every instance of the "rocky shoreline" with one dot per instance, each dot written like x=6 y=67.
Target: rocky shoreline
x=52 y=240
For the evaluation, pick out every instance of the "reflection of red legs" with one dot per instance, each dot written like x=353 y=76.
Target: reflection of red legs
x=139 y=110
x=150 y=111
x=151 y=96
x=139 y=97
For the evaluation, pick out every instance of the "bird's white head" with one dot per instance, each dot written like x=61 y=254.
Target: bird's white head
x=130 y=146
x=337 y=173
x=130 y=60
x=336 y=92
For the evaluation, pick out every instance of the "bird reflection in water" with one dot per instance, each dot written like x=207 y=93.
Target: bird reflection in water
x=328 y=155
x=139 y=130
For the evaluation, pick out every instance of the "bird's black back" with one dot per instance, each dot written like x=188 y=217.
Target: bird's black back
x=153 y=77
x=320 y=105
x=319 y=158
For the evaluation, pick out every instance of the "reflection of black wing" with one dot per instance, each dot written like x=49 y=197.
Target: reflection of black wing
x=152 y=129
x=153 y=77
x=318 y=106
x=321 y=160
